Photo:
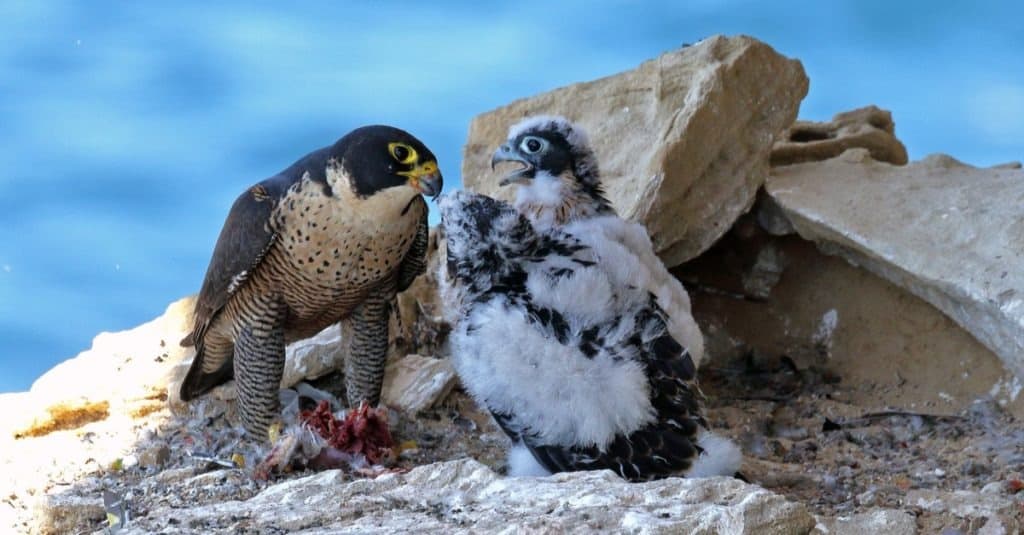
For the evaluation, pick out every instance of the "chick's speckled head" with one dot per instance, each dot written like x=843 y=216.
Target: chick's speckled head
x=547 y=144
x=378 y=157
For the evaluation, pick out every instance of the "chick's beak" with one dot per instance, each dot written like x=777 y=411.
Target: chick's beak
x=426 y=178
x=519 y=175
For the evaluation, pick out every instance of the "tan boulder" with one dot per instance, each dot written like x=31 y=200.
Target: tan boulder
x=683 y=140
x=947 y=232
x=870 y=128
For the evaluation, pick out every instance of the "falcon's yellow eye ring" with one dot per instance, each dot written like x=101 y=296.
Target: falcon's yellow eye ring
x=402 y=153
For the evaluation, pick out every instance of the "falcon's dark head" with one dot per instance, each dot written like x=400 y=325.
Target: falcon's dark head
x=549 y=149
x=379 y=157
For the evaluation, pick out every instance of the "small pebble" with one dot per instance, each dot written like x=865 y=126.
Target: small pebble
x=974 y=468
x=867 y=498
x=995 y=487
x=154 y=456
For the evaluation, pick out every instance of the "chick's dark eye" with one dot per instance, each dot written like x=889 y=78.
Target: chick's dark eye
x=533 y=144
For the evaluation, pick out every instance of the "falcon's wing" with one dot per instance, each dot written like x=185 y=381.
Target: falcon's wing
x=415 y=262
x=246 y=237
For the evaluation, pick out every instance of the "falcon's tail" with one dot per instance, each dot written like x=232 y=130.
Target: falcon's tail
x=197 y=382
x=188 y=341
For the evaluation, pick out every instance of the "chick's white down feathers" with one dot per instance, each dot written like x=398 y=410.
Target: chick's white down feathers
x=648 y=271
x=554 y=334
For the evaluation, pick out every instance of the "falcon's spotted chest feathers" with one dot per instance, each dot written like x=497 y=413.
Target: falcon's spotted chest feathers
x=331 y=238
x=576 y=364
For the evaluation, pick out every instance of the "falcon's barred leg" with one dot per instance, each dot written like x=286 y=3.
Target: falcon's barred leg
x=259 y=365
x=366 y=331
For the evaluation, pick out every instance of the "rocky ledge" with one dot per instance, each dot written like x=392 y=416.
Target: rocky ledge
x=861 y=320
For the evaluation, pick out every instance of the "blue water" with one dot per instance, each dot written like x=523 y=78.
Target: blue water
x=127 y=129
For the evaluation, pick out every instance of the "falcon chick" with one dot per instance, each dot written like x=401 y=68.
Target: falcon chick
x=577 y=367
x=333 y=237
x=559 y=185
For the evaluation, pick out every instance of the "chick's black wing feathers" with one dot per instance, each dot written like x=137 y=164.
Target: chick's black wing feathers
x=664 y=447
x=649 y=453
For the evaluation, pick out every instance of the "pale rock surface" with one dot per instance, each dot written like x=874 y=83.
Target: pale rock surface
x=870 y=128
x=62 y=514
x=996 y=514
x=415 y=383
x=313 y=357
x=947 y=232
x=1008 y=165
x=888 y=521
x=465 y=496
x=771 y=217
x=124 y=373
x=682 y=141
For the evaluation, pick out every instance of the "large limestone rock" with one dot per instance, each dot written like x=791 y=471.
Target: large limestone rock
x=683 y=140
x=948 y=232
x=465 y=496
x=869 y=128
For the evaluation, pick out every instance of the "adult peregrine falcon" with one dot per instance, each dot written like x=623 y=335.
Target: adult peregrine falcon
x=333 y=237
x=575 y=363
x=559 y=185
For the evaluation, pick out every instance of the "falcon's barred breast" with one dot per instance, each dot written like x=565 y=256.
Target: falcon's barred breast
x=575 y=363
x=331 y=238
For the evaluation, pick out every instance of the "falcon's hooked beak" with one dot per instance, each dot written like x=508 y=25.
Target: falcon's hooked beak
x=519 y=175
x=426 y=178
